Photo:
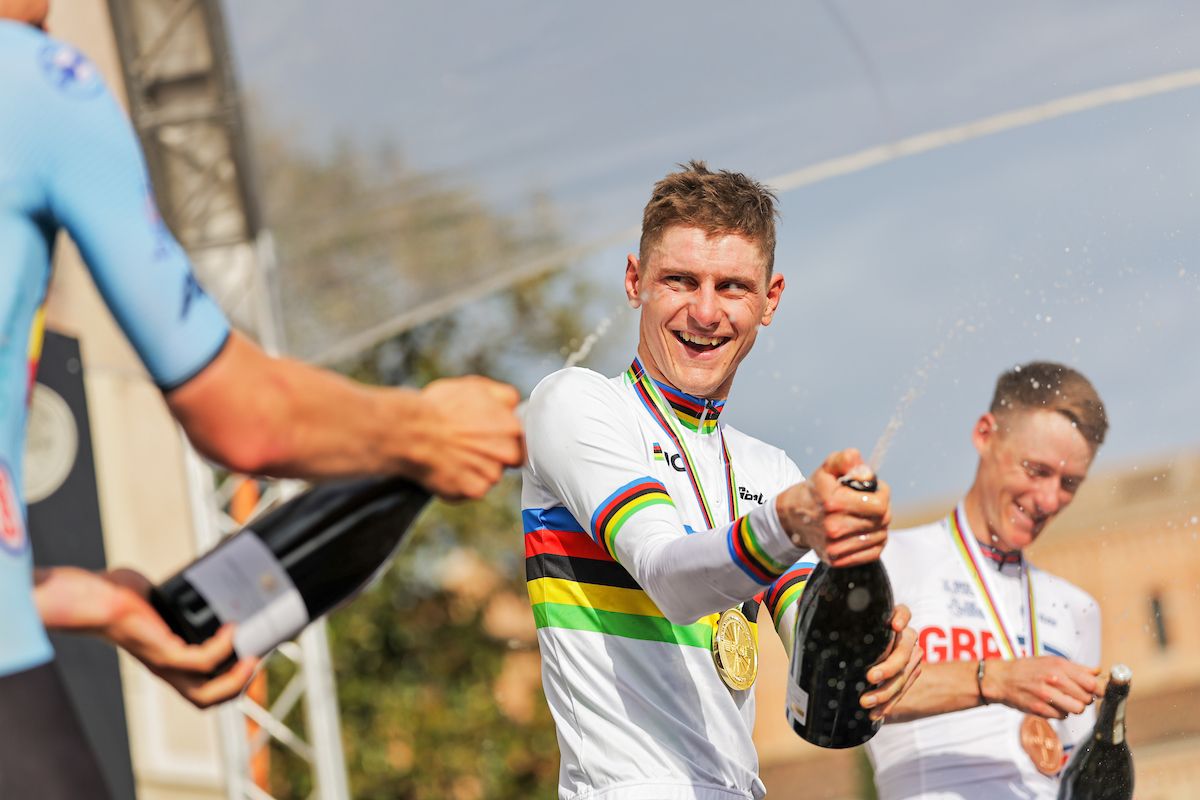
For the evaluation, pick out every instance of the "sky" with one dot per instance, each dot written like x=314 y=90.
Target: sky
x=1072 y=239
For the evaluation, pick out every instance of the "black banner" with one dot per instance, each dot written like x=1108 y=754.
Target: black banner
x=64 y=526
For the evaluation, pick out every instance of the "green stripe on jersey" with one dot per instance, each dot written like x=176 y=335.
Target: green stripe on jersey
x=628 y=626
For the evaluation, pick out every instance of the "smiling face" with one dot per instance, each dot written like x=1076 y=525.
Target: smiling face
x=702 y=299
x=1031 y=463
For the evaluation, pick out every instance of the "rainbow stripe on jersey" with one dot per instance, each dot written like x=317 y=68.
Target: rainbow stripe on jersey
x=622 y=504
x=693 y=413
x=749 y=554
x=787 y=589
x=574 y=584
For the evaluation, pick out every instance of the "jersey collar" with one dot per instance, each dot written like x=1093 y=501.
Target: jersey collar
x=694 y=413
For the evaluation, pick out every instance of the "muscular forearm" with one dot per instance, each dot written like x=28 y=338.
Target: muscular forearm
x=258 y=414
x=942 y=688
x=282 y=417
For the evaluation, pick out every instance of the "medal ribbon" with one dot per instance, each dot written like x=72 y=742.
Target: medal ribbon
x=968 y=550
x=662 y=413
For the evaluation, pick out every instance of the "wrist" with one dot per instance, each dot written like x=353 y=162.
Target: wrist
x=986 y=686
x=77 y=600
x=796 y=508
x=413 y=412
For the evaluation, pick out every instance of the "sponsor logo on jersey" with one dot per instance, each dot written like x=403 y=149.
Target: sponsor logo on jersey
x=749 y=496
x=191 y=291
x=70 y=71
x=965 y=608
x=12 y=522
x=957 y=644
x=957 y=587
x=674 y=459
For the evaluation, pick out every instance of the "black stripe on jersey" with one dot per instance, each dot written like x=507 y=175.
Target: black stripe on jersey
x=651 y=486
x=779 y=587
x=579 y=570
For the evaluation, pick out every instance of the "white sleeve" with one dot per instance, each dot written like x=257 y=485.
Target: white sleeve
x=1087 y=619
x=584 y=447
x=780 y=598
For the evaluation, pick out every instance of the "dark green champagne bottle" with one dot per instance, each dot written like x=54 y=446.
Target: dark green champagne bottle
x=843 y=626
x=291 y=565
x=1102 y=766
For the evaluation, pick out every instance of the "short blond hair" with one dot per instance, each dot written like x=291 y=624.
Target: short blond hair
x=1053 y=387
x=715 y=202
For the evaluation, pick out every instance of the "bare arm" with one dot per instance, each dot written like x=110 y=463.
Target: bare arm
x=259 y=414
x=1048 y=686
x=113 y=606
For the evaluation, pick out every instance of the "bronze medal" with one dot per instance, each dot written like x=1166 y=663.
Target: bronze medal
x=734 y=650
x=1041 y=744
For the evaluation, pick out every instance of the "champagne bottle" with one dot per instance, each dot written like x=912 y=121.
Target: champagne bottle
x=1102 y=766
x=843 y=626
x=292 y=565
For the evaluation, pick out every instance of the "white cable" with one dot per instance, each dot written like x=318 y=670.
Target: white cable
x=806 y=176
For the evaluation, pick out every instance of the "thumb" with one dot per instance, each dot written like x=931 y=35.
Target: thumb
x=844 y=462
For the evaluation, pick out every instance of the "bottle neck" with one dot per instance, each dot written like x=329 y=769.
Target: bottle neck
x=1110 y=721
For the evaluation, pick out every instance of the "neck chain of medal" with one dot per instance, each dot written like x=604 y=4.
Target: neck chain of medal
x=735 y=651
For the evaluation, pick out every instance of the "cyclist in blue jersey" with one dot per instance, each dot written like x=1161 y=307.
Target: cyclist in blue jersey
x=69 y=161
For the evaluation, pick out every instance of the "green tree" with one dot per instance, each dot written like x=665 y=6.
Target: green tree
x=436 y=664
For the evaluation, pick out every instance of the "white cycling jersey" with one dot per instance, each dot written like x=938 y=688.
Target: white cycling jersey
x=976 y=754
x=645 y=517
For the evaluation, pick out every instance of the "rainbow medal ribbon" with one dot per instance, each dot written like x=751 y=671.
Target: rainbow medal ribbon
x=734 y=644
x=968 y=550
x=1037 y=737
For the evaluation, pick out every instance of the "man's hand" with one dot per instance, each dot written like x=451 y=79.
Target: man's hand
x=1048 y=686
x=114 y=606
x=844 y=526
x=468 y=434
x=898 y=669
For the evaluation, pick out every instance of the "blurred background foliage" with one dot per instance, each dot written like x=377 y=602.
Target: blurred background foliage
x=437 y=665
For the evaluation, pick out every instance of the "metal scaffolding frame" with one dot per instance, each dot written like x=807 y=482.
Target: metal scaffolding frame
x=184 y=103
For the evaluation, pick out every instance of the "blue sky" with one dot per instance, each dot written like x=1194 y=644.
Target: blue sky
x=1073 y=239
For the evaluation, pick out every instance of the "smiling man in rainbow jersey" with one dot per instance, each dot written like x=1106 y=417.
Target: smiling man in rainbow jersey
x=653 y=529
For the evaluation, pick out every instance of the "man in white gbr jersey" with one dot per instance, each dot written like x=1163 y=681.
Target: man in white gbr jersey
x=652 y=529
x=1011 y=651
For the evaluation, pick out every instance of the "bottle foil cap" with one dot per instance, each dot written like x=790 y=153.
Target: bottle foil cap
x=1121 y=674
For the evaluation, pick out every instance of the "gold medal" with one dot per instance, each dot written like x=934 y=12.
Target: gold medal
x=1041 y=744
x=734 y=650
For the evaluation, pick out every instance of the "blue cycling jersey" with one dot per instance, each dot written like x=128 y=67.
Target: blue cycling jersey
x=69 y=159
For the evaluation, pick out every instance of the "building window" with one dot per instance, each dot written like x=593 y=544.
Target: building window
x=1158 y=621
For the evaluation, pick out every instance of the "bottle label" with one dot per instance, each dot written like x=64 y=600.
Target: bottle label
x=797 y=704
x=243 y=583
